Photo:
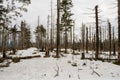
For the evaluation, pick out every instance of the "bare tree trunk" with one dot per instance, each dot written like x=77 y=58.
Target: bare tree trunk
x=119 y=31
x=114 y=50
x=51 y=41
x=109 y=39
x=74 y=38
x=47 y=43
x=83 y=41
x=100 y=43
x=90 y=41
x=0 y=40
x=58 y=28
x=97 y=33
x=83 y=37
x=66 y=41
x=87 y=40
x=71 y=37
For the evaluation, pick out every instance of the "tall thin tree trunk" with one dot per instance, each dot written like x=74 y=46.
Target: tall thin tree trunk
x=97 y=33
x=74 y=38
x=58 y=28
x=71 y=37
x=100 y=43
x=4 y=44
x=114 y=50
x=109 y=39
x=47 y=40
x=51 y=41
x=87 y=40
x=83 y=37
x=66 y=41
x=119 y=31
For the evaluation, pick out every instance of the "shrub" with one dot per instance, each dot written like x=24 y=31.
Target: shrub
x=117 y=63
x=16 y=59
x=1 y=60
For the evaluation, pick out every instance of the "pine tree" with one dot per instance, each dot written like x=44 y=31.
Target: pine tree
x=66 y=20
x=40 y=33
x=5 y=19
x=25 y=36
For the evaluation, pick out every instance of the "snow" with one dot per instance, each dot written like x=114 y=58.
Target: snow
x=58 y=69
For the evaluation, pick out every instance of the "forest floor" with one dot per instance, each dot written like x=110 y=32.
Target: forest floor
x=69 y=67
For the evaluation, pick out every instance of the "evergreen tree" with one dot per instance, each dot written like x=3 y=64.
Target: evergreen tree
x=66 y=21
x=6 y=18
x=40 y=34
x=25 y=36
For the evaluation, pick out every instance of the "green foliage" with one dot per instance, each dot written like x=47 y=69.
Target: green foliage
x=25 y=30
x=40 y=30
x=16 y=59
x=66 y=21
x=117 y=63
x=5 y=15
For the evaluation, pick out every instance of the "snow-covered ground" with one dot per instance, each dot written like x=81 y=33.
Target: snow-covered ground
x=70 y=67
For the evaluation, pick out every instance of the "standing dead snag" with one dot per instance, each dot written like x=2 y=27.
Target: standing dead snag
x=83 y=37
x=114 y=50
x=119 y=31
x=109 y=25
x=51 y=41
x=97 y=33
x=47 y=37
x=100 y=28
x=83 y=42
x=87 y=41
x=58 y=28
x=73 y=37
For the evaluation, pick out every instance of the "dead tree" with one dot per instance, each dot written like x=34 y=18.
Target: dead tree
x=119 y=31
x=0 y=39
x=51 y=41
x=58 y=28
x=87 y=41
x=73 y=37
x=109 y=25
x=100 y=39
x=83 y=40
x=114 y=50
x=90 y=41
x=47 y=42
x=83 y=37
x=97 y=32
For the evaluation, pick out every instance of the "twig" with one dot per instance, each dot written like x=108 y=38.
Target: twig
x=94 y=72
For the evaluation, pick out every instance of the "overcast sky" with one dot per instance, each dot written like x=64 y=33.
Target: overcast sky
x=42 y=8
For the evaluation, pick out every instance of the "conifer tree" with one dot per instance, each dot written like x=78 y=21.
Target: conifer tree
x=66 y=21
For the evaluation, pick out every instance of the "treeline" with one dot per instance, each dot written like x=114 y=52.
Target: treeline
x=17 y=37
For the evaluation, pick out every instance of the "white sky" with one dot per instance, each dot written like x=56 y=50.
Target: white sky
x=42 y=8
